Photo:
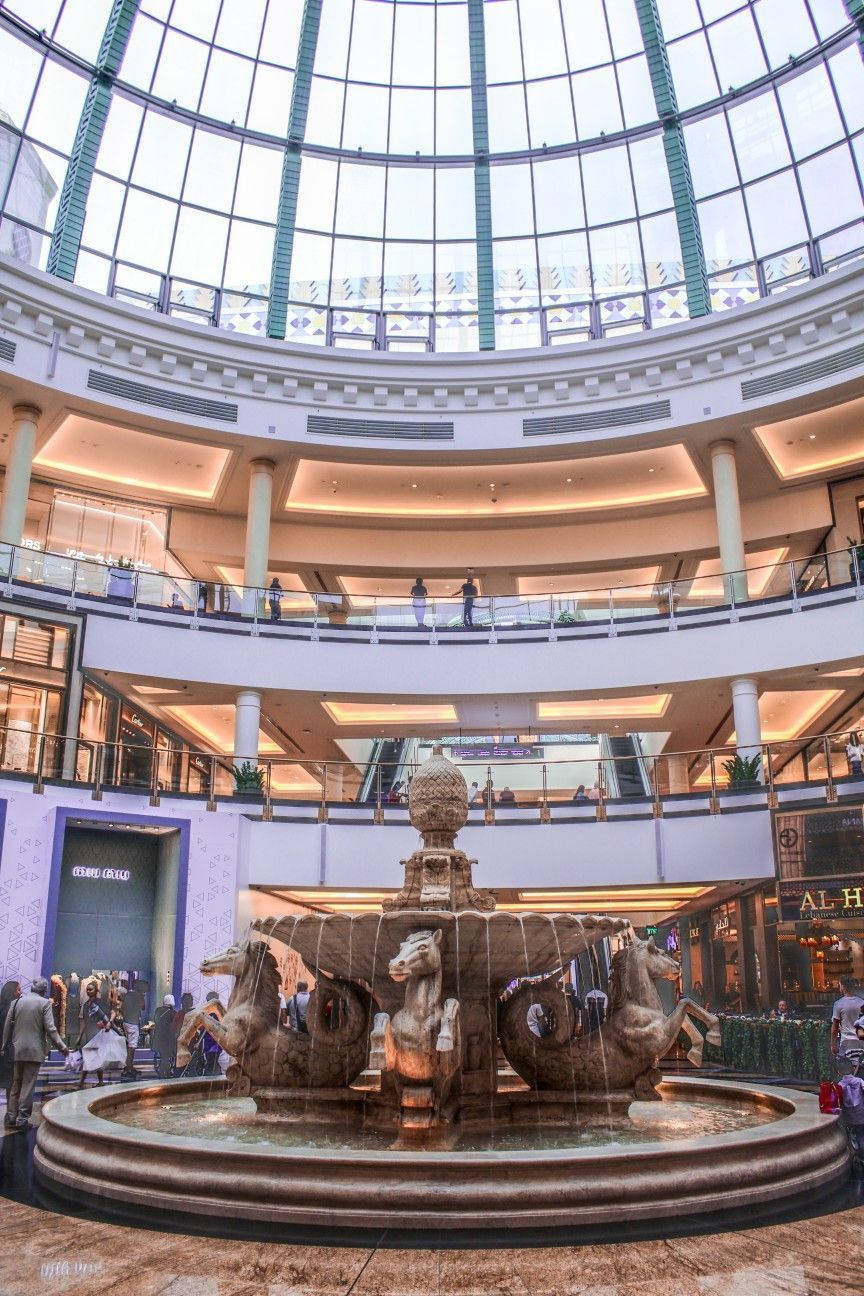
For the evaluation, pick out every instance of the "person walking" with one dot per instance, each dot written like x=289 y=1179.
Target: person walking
x=29 y=1026
x=846 y=1011
x=164 y=1041
x=9 y=996
x=418 y=601
x=469 y=592
x=94 y=1018
x=298 y=1005
x=854 y=754
x=274 y=598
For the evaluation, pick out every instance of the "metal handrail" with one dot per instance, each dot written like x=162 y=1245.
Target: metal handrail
x=159 y=771
x=259 y=606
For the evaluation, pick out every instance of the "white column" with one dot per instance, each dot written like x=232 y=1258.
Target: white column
x=247 y=721
x=73 y=722
x=258 y=511
x=745 y=711
x=677 y=773
x=727 y=507
x=19 y=465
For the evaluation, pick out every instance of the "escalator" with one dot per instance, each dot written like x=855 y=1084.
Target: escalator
x=626 y=767
x=389 y=753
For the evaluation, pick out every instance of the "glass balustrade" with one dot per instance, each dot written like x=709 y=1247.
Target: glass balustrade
x=587 y=610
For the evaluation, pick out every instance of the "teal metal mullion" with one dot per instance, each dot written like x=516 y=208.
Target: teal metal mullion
x=855 y=10
x=678 y=164
x=286 y=212
x=72 y=208
x=482 y=187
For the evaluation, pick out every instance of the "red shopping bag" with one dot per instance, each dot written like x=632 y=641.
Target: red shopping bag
x=830 y=1098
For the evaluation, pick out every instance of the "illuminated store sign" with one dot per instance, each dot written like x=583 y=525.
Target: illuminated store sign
x=825 y=898
x=498 y=751
x=101 y=874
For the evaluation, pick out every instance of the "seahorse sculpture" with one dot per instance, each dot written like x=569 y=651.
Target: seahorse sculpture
x=624 y=1052
x=266 y=1054
x=420 y=1048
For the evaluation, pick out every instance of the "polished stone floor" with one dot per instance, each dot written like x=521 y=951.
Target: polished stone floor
x=45 y=1253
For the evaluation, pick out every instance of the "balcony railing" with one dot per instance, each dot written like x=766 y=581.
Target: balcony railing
x=661 y=605
x=700 y=781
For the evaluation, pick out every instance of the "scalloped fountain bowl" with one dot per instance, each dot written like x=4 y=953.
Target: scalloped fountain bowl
x=183 y=1147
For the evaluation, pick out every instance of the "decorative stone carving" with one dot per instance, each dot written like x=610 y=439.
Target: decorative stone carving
x=421 y=1046
x=623 y=1053
x=439 y=876
x=267 y=1055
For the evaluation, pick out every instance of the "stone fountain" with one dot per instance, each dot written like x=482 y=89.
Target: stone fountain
x=409 y=1010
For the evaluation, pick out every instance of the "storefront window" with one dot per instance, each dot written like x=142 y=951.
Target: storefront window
x=25 y=712
x=137 y=735
x=106 y=530
x=724 y=949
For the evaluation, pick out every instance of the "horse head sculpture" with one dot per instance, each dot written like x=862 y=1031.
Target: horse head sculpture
x=419 y=956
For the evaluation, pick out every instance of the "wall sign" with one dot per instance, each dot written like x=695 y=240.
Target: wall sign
x=101 y=874
x=498 y=751
x=838 y=897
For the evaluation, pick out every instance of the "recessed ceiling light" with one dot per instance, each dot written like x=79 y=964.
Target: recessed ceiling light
x=812 y=436
x=413 y=485
x=491 y=485
x=569 y=480
x=650 y=470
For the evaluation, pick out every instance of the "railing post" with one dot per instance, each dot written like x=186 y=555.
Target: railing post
x=613 y=629
x=154 y=775
x=673 y=617
x=856 y=573
x=493 y=633
x=39 y=785
x=545 y=816
x=489 y=813
x=553 y=629
x=211 y=785
x=793 y=585
x=830 y=787
x=733 y=604
x=323 y=814
x=713 y=804
x=255 y=628
x=769 y=774
x=133 y=611
x=267 y=812
x=373 y=633
x=658 y=800
x=98 y=772
x=600 y=813
x=71 y=605
x=315 y=633
x=378 y=814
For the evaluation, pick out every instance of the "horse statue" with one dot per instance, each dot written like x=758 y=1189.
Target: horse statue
x=420 y=1049
x=266 y=1054
x=624 y=1052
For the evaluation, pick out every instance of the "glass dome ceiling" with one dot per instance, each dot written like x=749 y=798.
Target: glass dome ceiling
x=432 y=174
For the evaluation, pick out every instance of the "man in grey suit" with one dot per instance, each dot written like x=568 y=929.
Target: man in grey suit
x=30 y=1026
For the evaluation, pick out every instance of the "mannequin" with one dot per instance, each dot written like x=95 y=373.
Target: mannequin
x=73 y=992
x=58 y=1001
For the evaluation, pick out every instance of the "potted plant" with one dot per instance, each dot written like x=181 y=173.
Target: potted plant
x=248 y=781
x=121 y=579
x=743 y=771
x=856 y=558
x=565 y=618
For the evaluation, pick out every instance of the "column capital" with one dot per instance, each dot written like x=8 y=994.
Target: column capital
x=262 y=466
x=27 y=411
x=723 y=446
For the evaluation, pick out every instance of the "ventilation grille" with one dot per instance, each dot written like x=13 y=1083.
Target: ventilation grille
x=7 y=349
x=590 y=421
x=805 y=373
x=331 y=426
x=170 y=400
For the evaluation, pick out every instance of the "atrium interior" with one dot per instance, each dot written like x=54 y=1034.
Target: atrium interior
x=432 y=579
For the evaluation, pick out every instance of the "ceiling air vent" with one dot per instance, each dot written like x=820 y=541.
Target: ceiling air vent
x=7 y=350
x=325 y=425
x=805 y=373
x=146 y=395
x=565 y=424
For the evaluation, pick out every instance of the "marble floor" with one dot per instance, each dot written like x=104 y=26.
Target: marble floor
x=43 y=1253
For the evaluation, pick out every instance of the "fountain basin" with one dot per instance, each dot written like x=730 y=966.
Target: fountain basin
x=81 y=1150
